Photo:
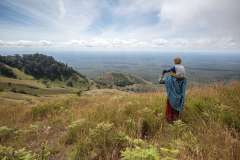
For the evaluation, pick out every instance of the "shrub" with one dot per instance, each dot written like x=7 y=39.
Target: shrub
x=34 y=128
x=203 y=108
x=8 y=153
x=76 y=129
x=44 y=110
x=169 y=153
x=178 y=128
x=14 y=90
x=102 y=135
x=139 y=149
x=6 y=71
x=83 y=150
x=149 y=123
x=102 y=143
x=131 y=125
x=137 y=153
x=5 y=133
x=45 y=153
x=79 y=93
x=69 y=84
x=232 y=119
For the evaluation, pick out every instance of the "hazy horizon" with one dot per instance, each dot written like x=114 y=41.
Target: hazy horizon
x=202 y=67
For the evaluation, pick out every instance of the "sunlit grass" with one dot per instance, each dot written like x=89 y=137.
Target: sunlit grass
x=109 y=124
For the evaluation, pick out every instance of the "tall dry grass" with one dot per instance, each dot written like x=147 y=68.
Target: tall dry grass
x=114 y=125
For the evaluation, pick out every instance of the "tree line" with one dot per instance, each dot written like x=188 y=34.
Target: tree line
x=40 y=66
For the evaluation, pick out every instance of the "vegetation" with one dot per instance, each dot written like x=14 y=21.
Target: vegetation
x=110 y=124
x=139 y=153
x=125 y=82
x=6 y=71
x=41 y=67
x=118 y=79
x=8 y=153
x=32 y=78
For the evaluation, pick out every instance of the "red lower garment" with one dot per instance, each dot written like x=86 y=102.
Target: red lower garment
x=171 y=114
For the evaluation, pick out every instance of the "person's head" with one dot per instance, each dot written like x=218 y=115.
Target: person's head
x=177 y=60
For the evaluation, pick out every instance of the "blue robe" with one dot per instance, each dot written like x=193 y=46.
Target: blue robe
x=175 y=92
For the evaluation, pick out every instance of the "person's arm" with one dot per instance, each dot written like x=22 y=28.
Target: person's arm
x=169 y=70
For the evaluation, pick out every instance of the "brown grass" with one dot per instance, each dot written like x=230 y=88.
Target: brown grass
x=207 y=133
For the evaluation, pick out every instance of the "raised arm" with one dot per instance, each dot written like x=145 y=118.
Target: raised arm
x=169 y=70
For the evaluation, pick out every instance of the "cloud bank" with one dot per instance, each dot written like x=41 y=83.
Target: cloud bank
x=155 y=24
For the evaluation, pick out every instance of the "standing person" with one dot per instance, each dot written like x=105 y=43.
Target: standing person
x=175 y=84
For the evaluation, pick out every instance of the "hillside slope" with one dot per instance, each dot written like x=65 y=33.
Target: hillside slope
x=41 y=67
x=110 y=124
x=125 y=82
x=111 y=79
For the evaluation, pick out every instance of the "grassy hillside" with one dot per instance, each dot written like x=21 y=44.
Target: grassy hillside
x=123 y=81
x=10 y=72
x=35 y=87
x=111 y=79
x=111 y=124
x=41 y=67
x=39 y=75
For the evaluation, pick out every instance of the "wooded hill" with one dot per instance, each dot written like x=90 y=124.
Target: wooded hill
x=41 y=67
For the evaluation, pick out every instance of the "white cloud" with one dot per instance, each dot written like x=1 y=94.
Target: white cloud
x=200 y=18
x=25 y=43
x=164 y=24
x=45 y=43
x=117 y=43
x=106 y=43
x=160 y=42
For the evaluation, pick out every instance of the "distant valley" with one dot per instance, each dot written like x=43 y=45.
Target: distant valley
x=38 y=74
x=76 y=72
x=201 y=67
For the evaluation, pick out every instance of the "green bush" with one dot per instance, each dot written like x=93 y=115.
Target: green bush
x=79 y=93
x=138 y=153
x=8 y=153
x=178 y=128
x=131 y=125
x=149 y=123
x=232 y=119
x=76 y=129
x=44 y=110
x=5 y=133
x=102 y=136
x=200 y=109
x=6 y=71
x=83 y=150
x=98 y=144
x=45 y=153
x=169 y=153
x=69 y=84
x=101 y=143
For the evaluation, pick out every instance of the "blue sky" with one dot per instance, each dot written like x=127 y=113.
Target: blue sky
x=121 y=24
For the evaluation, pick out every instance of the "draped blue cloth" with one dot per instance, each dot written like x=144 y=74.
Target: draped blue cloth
x=175 y=92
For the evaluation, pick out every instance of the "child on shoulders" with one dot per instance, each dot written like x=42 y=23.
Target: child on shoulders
x=178 y=70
